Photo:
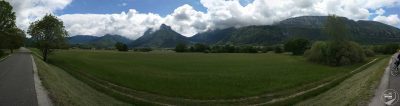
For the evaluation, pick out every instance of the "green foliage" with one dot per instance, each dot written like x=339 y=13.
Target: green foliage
x=368 y=52
x=198 y=47
x=339 y=51
x=181 y=47
x=7 y=16
x=142 y=49
x=319 y=52
x=336 y=28
x=121 y=46
x=1 y=53
x=10 y=36
x=336 y=54
x=48 y=33
x=297 y=46
x=248 y=49
x=390 y=48
x=14 y=39
x=278 y=49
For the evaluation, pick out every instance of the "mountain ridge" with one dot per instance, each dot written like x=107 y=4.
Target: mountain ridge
x=309 y=27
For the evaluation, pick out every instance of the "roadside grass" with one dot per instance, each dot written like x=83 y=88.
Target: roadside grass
x=6 y=53
x=196 y=75
x=356 y=90
x=65 y=90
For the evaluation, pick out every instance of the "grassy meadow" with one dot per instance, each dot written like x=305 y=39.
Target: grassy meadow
x=198 y=75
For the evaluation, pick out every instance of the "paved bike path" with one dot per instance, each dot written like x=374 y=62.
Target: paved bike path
x=17 y=87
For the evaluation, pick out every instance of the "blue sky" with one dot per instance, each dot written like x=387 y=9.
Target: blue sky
x=161 y=7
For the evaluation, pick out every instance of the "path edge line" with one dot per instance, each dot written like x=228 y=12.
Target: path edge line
x=41 y=93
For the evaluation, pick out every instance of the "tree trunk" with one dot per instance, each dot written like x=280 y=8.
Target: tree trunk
x=45 y=55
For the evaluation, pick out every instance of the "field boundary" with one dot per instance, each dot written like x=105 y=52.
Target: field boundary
x=131 y=95
x=41 y=92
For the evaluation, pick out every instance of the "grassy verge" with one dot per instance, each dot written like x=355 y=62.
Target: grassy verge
x=356 y=90
x=4 y=55
x=65 y=90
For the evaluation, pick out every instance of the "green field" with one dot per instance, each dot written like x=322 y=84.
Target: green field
x=198 y=75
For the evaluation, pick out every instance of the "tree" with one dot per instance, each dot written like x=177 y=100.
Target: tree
x=121 y=46
x=278 y=49
x=336 y=29
x=15 y=38
x=297 y=46
x=7 y=16
x=7 y=22
x=390 y=48
x=200 y=47
x=339 y=50
x=48 y=34
x=181 y=47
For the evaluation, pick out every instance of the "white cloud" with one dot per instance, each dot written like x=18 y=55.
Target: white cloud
x=380 y=11
x=28 y=11
x=390 y=20
x=188 y=21
x=123 y=4
x=131 y=24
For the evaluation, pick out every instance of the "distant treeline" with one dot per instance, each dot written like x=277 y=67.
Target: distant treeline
x=389 y=48
x=202 y=48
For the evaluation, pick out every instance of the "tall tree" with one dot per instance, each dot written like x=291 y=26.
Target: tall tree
x=48 y=34
x=336 y=28
x=14 y=39
x=339 y=50
x=7 y=21
x=181 y=47
x=121 y=46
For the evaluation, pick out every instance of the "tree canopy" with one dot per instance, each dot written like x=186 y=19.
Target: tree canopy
x=121 y=46
x=7 y=16
x=339 y=50
x=297 y=46
x=48 y=33
x=11 y=37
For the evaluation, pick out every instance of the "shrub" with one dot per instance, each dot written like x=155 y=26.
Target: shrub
x=142 y=49
x=335 y=54
x=318 y=53
x=369 y=53
x=121 y=46
x=181 y=47
x=247 y=49
x=278 y=49
x=390 y=48
x=1 y=53
x=297 y=46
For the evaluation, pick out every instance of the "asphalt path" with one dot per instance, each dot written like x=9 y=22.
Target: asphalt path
x=390 y=83
x=17 y=87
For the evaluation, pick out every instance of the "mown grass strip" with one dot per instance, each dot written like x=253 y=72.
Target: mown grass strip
x=320 y=89
x=356 y=90
x=65 y=90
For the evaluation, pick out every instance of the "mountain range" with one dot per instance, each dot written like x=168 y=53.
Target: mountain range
x=106 y=41
x=308 y=27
